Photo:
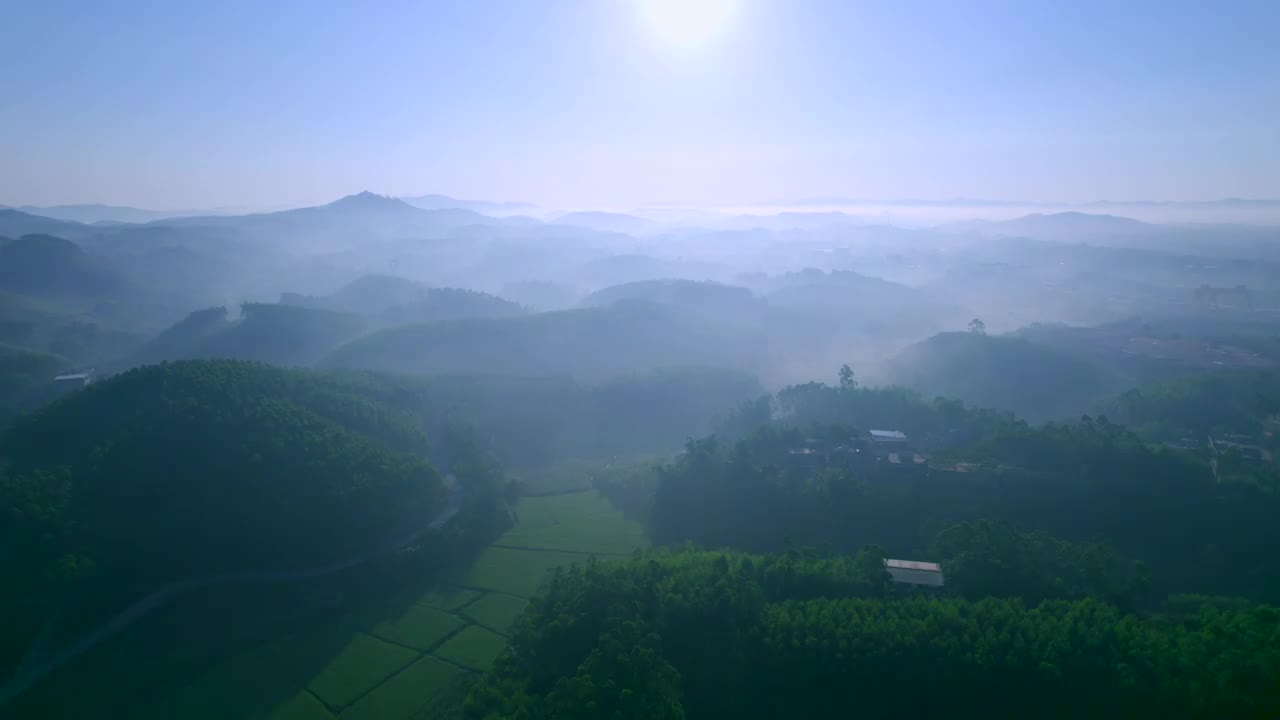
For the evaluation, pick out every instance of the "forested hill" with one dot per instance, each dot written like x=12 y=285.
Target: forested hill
x=810 y=476
x=388 y=301
x=1035 y=382
x=264 y=332
x=710 y=300
x=587 y=344
x=726 y=635
x=47 y=266
x=172 y=471
x=1239 y=402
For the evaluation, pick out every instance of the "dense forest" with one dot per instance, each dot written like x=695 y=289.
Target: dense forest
x=183 y=470
x=1100 y=497
x=1035 y=382
x=774 y=360
x=590 y=344
x=811 y=478
x=1199 y=405
x=711 y=635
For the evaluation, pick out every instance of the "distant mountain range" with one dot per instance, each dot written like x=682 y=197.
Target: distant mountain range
x=1060 y=226
x=835 y=201
x=113 y=214
x=96 y=213
x=484 y=207
x=16 y=223
x=609 y=222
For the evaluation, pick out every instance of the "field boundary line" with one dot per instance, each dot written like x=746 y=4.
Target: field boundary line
x=567 y=552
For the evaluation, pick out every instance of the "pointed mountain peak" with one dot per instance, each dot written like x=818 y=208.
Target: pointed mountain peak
x=369 y=201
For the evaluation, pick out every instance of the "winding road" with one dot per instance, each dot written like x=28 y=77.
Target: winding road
x=37 y=665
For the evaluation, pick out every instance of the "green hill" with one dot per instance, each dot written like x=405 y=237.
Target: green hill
x=537 y=420
x=50 y=266
x=588 y=344
x=710 y=300
x=388 y=301
x=1005 y=373
x=436 y=304
x=15 y=223
x=1238 y=401
x=189 y=469
x=278 y=334
x=211 y=466
x=25 y=379
x=370 y=294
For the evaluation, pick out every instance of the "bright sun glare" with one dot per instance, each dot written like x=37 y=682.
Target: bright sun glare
x=686 y=23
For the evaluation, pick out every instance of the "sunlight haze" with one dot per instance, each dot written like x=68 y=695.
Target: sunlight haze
x=574 y=103
x=639 y=360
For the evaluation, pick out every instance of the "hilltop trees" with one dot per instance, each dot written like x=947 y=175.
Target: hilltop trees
x=204 y=467
x=707 y=635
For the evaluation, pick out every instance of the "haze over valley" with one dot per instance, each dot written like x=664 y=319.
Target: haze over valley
x=641 y=359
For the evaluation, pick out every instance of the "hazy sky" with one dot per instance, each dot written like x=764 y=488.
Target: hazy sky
x=593 y=102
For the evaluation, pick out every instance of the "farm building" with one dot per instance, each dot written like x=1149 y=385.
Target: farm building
x=888 y=436
x=79 y=379
x=912 y=572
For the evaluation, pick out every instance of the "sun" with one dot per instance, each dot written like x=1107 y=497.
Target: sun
x=686 y=23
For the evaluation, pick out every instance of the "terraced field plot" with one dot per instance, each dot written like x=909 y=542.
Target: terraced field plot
x=360 y=667
x=302 y=706
x=420 y=627
x=515 y=571
x=593 y=534
x=448 y=598
x=538 y=511
x=406 y=692
x=496 y=611
x=396 y=667
x=474 y=647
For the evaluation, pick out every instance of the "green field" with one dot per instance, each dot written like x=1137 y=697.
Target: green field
x=594 y=534
x=496 y=611
x=302 y=706
x=420 y=627
x=538 y=511
x=448 y=598
x=405 y=692
x=397 y=664
x=563 y=477
x=361 y=666
x=516 y=572
x=474 y=647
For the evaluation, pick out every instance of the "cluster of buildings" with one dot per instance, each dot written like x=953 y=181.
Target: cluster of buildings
x=1246 y=445
x=876 y=451
x=880 y=451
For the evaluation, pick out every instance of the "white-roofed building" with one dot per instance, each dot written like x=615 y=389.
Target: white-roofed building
x=914 y=572
x=75 y=379
x=888 y=436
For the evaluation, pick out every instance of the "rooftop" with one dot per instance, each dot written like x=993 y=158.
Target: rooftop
x=912 y=565
x=74 y=376
x=888 y=435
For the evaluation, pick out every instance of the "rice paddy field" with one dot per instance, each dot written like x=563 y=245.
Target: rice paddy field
x=415 y=663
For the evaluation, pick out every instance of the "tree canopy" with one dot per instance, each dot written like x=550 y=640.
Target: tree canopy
x=708 y=635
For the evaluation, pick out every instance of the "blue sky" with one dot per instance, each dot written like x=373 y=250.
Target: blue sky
x=574 y=103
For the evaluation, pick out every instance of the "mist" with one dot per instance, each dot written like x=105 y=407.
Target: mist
x=643 y=359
